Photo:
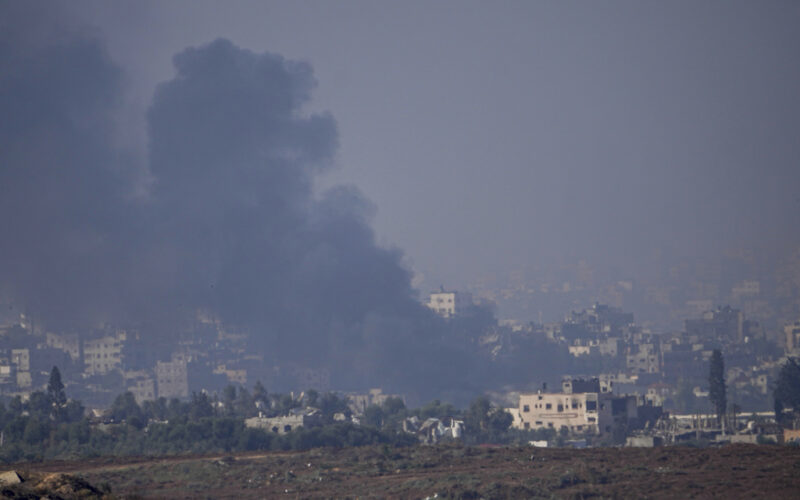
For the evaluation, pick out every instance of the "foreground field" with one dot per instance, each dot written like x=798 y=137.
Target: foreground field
x=739 y=471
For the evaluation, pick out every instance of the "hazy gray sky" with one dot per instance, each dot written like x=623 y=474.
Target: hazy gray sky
x=490 y=135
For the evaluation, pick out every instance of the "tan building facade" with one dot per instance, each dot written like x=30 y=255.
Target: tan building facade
x=589 y=412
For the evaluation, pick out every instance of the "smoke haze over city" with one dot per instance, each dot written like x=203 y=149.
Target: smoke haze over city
x=308 y=172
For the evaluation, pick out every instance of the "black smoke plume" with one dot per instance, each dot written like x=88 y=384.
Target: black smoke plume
x=220 y=217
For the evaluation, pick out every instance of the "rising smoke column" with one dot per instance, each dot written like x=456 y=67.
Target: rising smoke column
x=220 y=216
x=233 y=155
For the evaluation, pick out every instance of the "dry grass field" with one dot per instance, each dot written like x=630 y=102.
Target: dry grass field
x=738 y=471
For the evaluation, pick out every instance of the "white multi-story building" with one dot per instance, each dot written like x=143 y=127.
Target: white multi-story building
x=104 y=354
x=448 y=304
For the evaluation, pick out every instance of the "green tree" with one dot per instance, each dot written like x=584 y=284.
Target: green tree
x=393 y=405
x=787 y=388
x=155 y=410
x=200 y=406
x=393 y=411
x=437 y=409
x=35 y=431
x=55 y=388
x=39 y=405
x=499 y=422
x=716 y=384
x=373 y=416
x=126 y=409
x=244 y=405
x=260 y=393
x=476 y=419
x=312 y=398
x=229 y=398
x=331 y=404
x=685 y=400
x=72 y=411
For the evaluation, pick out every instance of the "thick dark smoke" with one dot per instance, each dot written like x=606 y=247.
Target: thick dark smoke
x=221 y=219
x=64 y=191
x=233 y=158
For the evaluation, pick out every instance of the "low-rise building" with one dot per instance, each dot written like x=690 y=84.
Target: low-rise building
x=588 y=412
x=234 y=376
x=359 y=402
x=449 y=303
x=308 y=417
x=141 y=385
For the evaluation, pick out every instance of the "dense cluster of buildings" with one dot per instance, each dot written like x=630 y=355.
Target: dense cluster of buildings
x=98 y=365
x=660 y=366
x=645 y=376
x=623 y=377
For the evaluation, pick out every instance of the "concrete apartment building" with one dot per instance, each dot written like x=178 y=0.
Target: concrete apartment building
x=449 y=303
x=103 y=355
x=583 y=406
x=645 y=359
x=792 y=332
x=71 y=344
x=141 y=385
x=172 y=378
x=21 y=360
x=723 y=323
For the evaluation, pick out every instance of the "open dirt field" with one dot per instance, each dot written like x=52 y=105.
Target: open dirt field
x=738 y=471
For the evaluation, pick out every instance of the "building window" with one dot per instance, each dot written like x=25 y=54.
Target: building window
x=538 y=422
x=526 y=408
x=527 y=425
x=592 y=419
x=548 y=406
x=560 y=407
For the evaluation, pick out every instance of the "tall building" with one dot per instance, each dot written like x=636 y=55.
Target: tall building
x=172 y=378
x=104 y=354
